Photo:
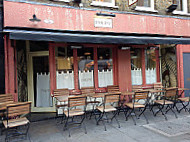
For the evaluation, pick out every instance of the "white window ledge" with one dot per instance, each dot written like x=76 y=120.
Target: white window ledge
x=147 y=9
x=63 y=0
x=103 y=4
x=181 y=13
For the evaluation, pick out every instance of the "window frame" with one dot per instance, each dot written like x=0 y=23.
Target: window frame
x=145 y=8
x=104 y=4
x=184 y=7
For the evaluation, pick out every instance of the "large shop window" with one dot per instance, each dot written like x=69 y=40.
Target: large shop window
x=64 y=67
x=105 y=67
x=136 y=67
x=86 y=67
x=150 y=63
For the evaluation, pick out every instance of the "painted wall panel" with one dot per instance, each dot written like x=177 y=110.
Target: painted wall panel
x=83 y=20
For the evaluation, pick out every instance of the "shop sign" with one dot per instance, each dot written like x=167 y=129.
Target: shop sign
x=103 y=23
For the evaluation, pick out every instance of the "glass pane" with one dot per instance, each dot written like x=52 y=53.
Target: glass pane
x=105 y=67
x=188 y=4
x=145 y=3
x=136 y=67
x=38 y=46
x=64 y=67
x=86 y=67
x=150 y=63
x=180 y=4
x=42 y=97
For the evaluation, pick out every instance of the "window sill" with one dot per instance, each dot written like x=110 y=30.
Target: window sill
x=181 y=13
x=146 y=9
x=62 y=0
x=103 y=4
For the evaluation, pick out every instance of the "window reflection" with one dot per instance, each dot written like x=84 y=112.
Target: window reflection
x=105 y=67
x=86 y=67
x=150 y=63
x=136 y=66
x=64 y=67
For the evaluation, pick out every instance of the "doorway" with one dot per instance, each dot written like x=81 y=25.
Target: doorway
x=39 y=82
x=186 y=69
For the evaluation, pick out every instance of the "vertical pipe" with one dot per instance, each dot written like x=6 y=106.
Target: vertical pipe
x=75 y=62
x=95 y=67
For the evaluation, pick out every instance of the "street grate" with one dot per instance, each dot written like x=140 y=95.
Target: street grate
x=171 y=128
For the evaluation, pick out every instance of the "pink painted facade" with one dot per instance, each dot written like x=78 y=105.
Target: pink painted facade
x=76 y=19
x=61 y=18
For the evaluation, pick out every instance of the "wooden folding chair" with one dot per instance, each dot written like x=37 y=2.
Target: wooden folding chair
x=169 y=100
x=111 y=101
x=90 y=92
x=136 y=88
x=137 y=104
x=112 y=88
x=16 y=117
x=158 y=86
x=57 y=93
x=76 y=107
x=183 y=100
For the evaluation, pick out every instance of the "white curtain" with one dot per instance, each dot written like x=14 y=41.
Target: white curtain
x=136 y=77
x=150 y=76
x=86 y=79
x=65 y=80
x=105 y=78
x=43 y=98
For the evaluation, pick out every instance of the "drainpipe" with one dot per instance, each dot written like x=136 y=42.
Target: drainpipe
x=2 y=69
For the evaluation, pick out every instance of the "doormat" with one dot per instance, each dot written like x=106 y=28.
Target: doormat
x=171 y=128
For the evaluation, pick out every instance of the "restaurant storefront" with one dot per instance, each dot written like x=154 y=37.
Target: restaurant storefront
x=72 y=53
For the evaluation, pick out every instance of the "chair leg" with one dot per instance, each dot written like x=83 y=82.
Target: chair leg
x=171 y=108
x=130 y=113
x=144 y=114
x=184 y=107
x=114 y=116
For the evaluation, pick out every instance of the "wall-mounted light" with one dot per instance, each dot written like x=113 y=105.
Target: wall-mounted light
x=171 y=8
x=125 y=47
x=34 y=19
x=76 y=47
x=106 y=14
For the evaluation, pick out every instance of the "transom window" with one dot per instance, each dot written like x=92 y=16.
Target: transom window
x=145 y=5
x=183 y=6
x=105 y=3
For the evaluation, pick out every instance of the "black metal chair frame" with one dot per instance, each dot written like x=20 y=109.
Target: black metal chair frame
x=141 y=109
x=183 y=103
x=68 y=123
x=104 y=113
x=15 y=130
x=165 y=98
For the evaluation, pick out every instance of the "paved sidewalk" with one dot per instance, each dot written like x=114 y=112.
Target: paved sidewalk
x=52 y=131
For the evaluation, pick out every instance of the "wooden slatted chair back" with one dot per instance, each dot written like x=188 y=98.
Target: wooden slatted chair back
x=158 y=86
x=171 y=92
x=77 y=101
x=112 y=98
x=113 y=88
x=141 y=95
x=18 y=109
x=6 y=98
x=61 y=92
x=136 y=88
x=87 y=90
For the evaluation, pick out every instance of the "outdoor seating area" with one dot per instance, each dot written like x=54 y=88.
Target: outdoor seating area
x=109 y=106
x=106 y=105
